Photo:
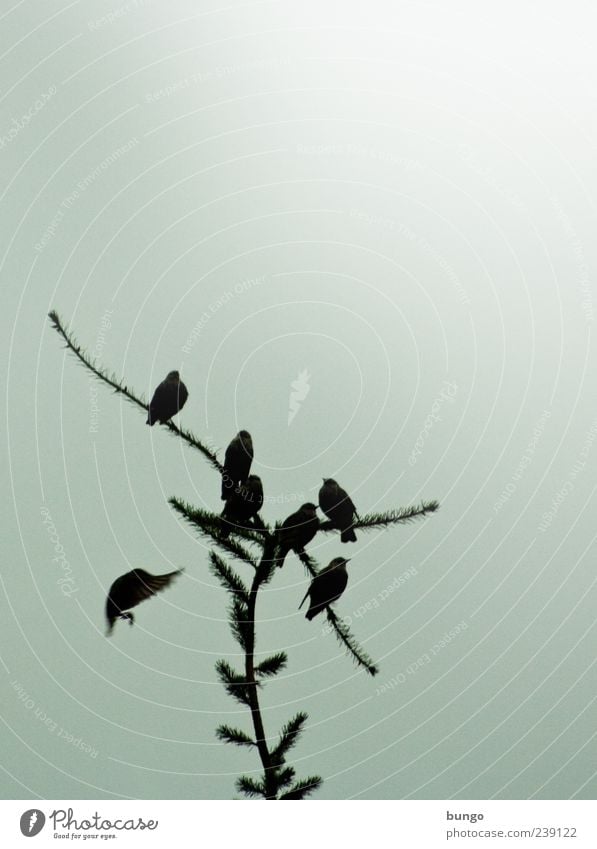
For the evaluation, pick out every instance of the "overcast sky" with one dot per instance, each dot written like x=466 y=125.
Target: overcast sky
x=389 y=206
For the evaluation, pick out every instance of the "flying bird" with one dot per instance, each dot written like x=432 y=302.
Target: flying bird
x=337 y=506
x=296 y=531
x=168 y=399
x=237 y=463
x=243 y=505
x=326 y=587
x=130 y=590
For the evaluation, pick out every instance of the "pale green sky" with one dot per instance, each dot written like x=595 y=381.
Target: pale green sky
x=395 y=198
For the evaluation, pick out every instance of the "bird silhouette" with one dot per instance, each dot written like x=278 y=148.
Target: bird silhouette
x=337 y=506
x=168 y=399
x=296 y=531
x=243 y=505
x=326 y=587
x=130 y=590
x=237 y=463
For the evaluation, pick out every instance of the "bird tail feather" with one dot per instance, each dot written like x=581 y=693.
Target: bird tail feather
x=303 y=601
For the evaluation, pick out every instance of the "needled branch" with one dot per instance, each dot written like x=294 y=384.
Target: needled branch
x=228 y=577
x=277 y=780
x=288 y=737
x=303 y=788
x=390 y=517
x=235 y=684
x=209 y=525
x=121 y=388
x=340 y=628
x=272 y=665
x=233 y=735
x=270 y=785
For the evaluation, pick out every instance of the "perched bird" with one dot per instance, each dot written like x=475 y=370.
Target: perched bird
x=168 y=399
x=237 y=463
x=337 y=506
x=296 y=531
x=326 y=587
x=131 y=589
x=243 y=505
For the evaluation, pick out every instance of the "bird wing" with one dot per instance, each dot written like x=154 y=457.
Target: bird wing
x=233 y=470
x=155 y=404
x=145 y=585
x=245 y=459
x=183 y=394
x=331 y=583
x=345 y=502
x=230 y=454
x=167 y=400
x=291 y=522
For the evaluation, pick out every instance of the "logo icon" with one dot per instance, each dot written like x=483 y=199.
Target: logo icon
x=300 y=389
x=32 y=822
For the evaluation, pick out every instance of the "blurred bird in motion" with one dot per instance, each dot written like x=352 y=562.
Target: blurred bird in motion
x=296 y=531
x=337 y=506
x=326 y=587
x=168 y=399
x=237 y=463
x=130 y=590
x=243 y=505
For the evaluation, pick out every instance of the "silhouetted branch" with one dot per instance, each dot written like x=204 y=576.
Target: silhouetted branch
x=390 y=517
x=339 y=627
x=249 y=787
x=284 y=776
x=271 y=665
x=111 y=380
x=348 y=641
x=228 y=577
x=245 y=688
x=288 y=737
x=303 y=788
x=242 y=627
x=235 y=684
x=208 y=524
x=233 y=735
